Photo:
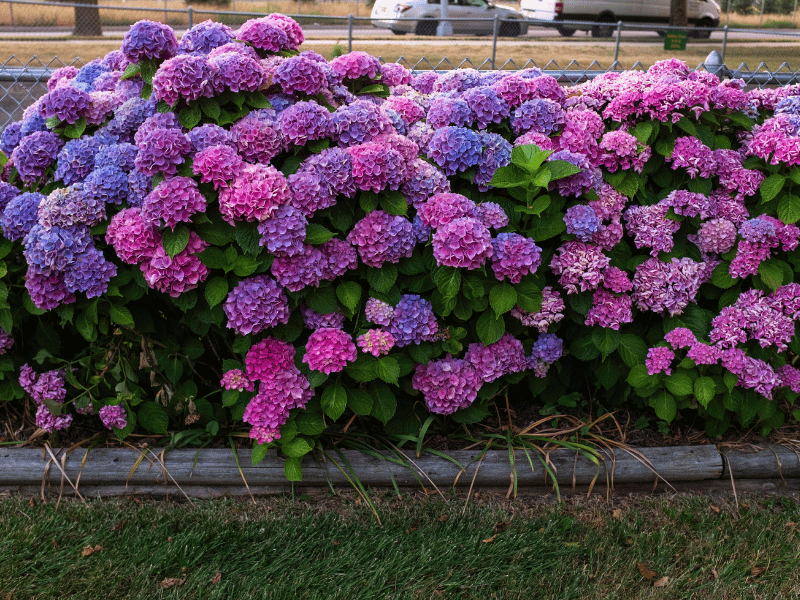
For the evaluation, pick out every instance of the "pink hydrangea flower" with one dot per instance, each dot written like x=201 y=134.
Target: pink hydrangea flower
x=464 y=242
x=329 y=350
x=659 y=359
x=376 y=342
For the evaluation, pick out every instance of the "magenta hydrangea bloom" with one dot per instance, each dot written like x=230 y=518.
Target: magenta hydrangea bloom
x=444 y=207
x=178 y=274
x=303 y=122
x=50 y=422
x=579 y=265
x=376 y=167
x=134 y=239
x=237 y=72
x=622 y=151
x=609 y=310
x=186 y=76
x=651 y=228
x=47 y=290
x=256 y=304
x=267 y=358
x=292 y=29
x=703 y=354
x=67 y=103
x=552 y=311
x=376 y=342
x=329 y=350
x=235 y=379
x=284 y=231
x=393 y=74
x=446 y=110
x=514 y=256
x=448 y=384
x=412 y=320
x=381 y=237
x=113 y=416
x=680 y=337
x=218 y=165
x=162 y=150
x=356 y=64
x=43 y=386
x=149 y=40
x=300 y=270
x=716 y=236
x=61 y=76
x=258 y=140
x=174 y=200
x=659 y=359
x=666 y=287
x=495 y=360
x=300 y=74
x=464 y=242
x=254 y=194
x=264 y=34
x=339 y=257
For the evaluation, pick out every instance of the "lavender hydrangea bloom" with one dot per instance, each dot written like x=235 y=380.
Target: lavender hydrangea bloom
x=455 y=149
x=315 y=320
x=514 y=256
x=65 y=207
x=464 y=242
x=491 y=215
x=90 y=273
x=378 y=312
x=579 y=265
x=11 y=137
x=496 y=153
x=666 y=287
x=339 y=257
x=209 y=134
x=76 y=160
x=301 y=270
x=263 y=34
x=552 y=311
x=204 y=37
x=716 y=236
x=33 y=123
x=186 y=76
x=359 y=122
x=237 y=72
x=423 y=180
x=61 y=76
x=582 y=222
x=122 y=156
x=495 y=360
x=548 y=348
x=108 y=184
x=485 y=106
x=457 y=80
x=303 y=122
x=174 y=200
x=149 y=40
x=20 y=215
x=300 y=74
x=35 y=154
x=162 y=151
x=356 y=64
x=381 y=237
x=114 y=416
x=446 y=110
x=68 y=104
x=376 y=167
x=540 y=115
x=609 y=310
x=412 y=321
x=6 y=341
x=284 y=231
x=47 y=291
x=256 y=304
x=7 y=193
x=130 y=116
x=448 y=384
x=257 y=140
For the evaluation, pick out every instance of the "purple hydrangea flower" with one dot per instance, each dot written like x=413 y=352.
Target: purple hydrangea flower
x=651 y=228
x=485 y=106
x=257 y=140
x=444 y=207
x=492 y=215
x=455 y=149
x=256 y=304
x=67 y=103
x=716 y=236
x=514 y=256
x=64 y=207
x=359 y=122
x=204 y=37
x=11 y=137
x=610 y=310
x=90 y=273
x=412 y=321
x=119 y=155
x=552 y=311
x=47 y=291
x=235 y=379
x=107 y=184
x=496 y=153
x=446 y=110
x=236 y=71
x=55 y=248
x=114 y=416
x=376 y=167
x=540 y=115
x=315 y=320
x=356 y=64
x=178 y=274
x=21 y=213
x=422 y=181
x=217 y=164
x=582 y=222
x=339 y=257
x=300 y=74
x=284 y=231
x=448 y=384
x=254 y=194
x=495 y=360
x=464 y=242
x=378 y=312
x=301 y=270
x=579 y=265
x=659 y=359
x=303 y=122
x=162 y=151
x=208 y=135
x=187 y=76
x=381 y=237
x=174 y=200
x=666 y=287
x=267 y=358
x=35 y=153
x=548 y=348
x=264 y=34
x=148 y=40
x=376 y=342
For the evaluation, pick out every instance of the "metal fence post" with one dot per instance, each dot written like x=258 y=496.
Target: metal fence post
x=350 y=32
x=616 y=46
x=11 y=10
x=494 y=39
x=190 y=14
x=724 y=42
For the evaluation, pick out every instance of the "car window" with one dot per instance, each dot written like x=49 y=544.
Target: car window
x=479 y=3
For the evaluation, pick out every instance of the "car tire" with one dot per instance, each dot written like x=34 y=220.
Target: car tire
x=396 y=32
x=703 y=30
x=426 y=27
x=604 y=27
x=509 y=30
x=565 y=31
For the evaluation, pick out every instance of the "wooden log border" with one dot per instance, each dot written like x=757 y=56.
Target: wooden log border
x=209 y=473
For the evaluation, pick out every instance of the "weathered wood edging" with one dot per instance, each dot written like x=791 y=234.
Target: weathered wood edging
x=215 y=472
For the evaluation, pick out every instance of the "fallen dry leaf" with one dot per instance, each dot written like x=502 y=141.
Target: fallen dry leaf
x=489 y=540
x=616 y=514
x=335 y=542
x=216 y=578
x=119 y=525
x=171 y=582
x=714 y=508
x=791 y=524
x=714 y=574
x=663 y=582
x=444 y=518
x=88 y=550
x=629 y=542
x=756 y=571
x=646 y=571
x=411 y=530
x=55 y=545
x=501 y=526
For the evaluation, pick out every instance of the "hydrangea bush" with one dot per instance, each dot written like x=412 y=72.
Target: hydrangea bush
x=224 y=230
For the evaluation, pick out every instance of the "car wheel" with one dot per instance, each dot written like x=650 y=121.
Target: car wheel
x=703 y=30
x=565 y=31
x=604 y=27
x=509 y=30
x=396 y=32
x=427 y=27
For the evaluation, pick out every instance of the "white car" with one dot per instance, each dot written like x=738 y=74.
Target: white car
x=465 y=16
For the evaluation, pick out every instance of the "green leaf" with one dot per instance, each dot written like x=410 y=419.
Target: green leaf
x=561 y=168
x=7 y=320
x=296 y=448
x=364 y=368
x=230 y=397
x=121 y=315
x=334 y=401
x=489 y=327
x=530 y=157
x=473 y=287
x=189 y=117
x=310 y=423
x=52 y=122
x=704 y=390
x=382 y=279
x=789 y=208
x=259 y=452
x=349 y=294
x=502 y=298
x=388 y=369
x=632 y=349
x=359 y=401
x=210 y=107
x=629 y=185
x=248 y=238
x=48 y=338
x=584 y=349
x=217 y=234
x=730 y=380
x=245 y=266
x=85 y=327
x=721 y=276
x=771 y=186
x=664 y=404
x=323 y=300
x=258 y=100
x=152 y=417
x=384 y=401
x=529 y=296
x=317 y=234
x=606 y=340
x=132 y=70
x=639 y=377
x=216 y=291
x=448 y=281
x=547 y=227
x=679 y=384
x=394 y=203
x=642 y=131
x=368 y=201
x=292 y=468
x=175 y=241
x=771 y=273
x=76 y=129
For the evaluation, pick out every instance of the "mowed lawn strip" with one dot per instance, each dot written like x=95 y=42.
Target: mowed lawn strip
x=684 y=546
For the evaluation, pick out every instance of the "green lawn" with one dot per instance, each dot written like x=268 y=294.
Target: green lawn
x=424 y=548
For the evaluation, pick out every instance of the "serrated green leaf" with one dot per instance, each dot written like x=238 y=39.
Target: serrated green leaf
x=296 y=448
x=388 y=369
x=642 y=131
x=502 y=298
x=771 y=273
x=7 y=320
x=334 y=401
x=606 y=340
x=789 y=208
x=584 y=349
x=384 y=401
x=210 y=107
x=52 y=122
x=632 y=349
x=639 y=377
x=175 y=241
x=292 y=468
x=771 y=186
x=364 y=368
x=258 y=100
x=121 y=315
x=248 y=238
x=448 y=281
x=189 y=117
x=216 y=291
x=132 y=70
x=529 y=296
x=394 y=203
x=547 y=227
x=679 y=384
x=382 y=279
x=721 y=276
x=559 y=169
x=76 y=129
x=349 y=294
x=213 y=258
x=152 y=417
x=230 y=397
x=259 y=453
x=322 y=300
x=730 y=380
x=245 y=266
x=359 y=401
x=317 y=234
x=704 y=390
x=664 y=404
x=489 y=327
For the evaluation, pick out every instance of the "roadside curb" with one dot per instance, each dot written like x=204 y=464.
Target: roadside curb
x=208 y=473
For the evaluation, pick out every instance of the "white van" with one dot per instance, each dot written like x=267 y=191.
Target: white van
x=604 y=14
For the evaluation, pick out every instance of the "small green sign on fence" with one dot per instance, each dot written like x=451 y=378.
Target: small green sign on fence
x=675 y=40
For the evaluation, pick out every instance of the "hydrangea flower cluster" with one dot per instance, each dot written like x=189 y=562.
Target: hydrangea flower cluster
x=448 y=384
x=329 y=349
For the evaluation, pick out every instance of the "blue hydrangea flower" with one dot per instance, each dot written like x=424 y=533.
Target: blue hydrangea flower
x=76 y=160
x=20 y=215
x=118 y=155
x=11 y=137
x=108 y=184
x=455 y=149
x=496 y=153
x=582 y=222
x=205 y=36
x=89 y=272
x=55 y=248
